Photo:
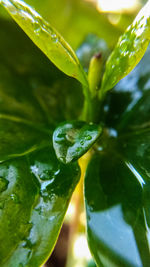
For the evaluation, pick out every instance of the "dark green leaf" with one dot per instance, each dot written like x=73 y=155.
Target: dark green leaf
x=117 y=232
x=72 y=139
x=129 y=50
x=117 y=200
x=46 y=38
x=35 y=190
x=35 y=187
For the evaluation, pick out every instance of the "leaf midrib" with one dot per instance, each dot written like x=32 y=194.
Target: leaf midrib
x=28 y=123
x=17 y=119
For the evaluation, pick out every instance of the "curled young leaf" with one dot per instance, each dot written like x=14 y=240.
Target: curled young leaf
x=72 y=139
x=129 y=50
x=46 y=38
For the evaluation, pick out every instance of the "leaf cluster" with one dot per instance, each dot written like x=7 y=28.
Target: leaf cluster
x=49 y=120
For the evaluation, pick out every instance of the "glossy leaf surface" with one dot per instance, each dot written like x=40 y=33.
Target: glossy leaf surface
x=72 y=139
x=129 y=50
x=76 y=19
x=117 y=232
x=33 y=205
x=46 y=38
x=35 y=187
x=117 y=201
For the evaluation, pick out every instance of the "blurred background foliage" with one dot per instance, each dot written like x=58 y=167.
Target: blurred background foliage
x=75 y=19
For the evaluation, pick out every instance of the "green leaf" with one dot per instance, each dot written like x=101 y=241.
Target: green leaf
x=35 y=188
x=128 y=51
x=118 y=199
x=116 y=227
x=46 y=38
x=82 y=17
x=72 y=139
x=33 y=203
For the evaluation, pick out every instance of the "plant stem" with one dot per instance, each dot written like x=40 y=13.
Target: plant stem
x=87 y=108
x=83 y=162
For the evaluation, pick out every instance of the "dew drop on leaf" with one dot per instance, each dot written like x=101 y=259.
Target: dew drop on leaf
x=15 y=198
x=88 y=137
x=82 y=142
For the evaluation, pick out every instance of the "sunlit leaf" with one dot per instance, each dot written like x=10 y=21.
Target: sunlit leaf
x=46 y=38
x=129 y=50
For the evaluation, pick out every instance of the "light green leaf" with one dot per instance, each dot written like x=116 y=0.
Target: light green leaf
x=129 y=50
x=46 y=38
x=72 y=139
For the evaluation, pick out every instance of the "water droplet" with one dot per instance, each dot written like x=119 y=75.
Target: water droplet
x=28 y=244
x=39 y=210
x=15 y=198
x=54 y=38
x=57 y=172
x=46 y=175
x=3 y=184
x=88 y=137
x=100 y=148
x=112 y=132
x=81 y=142
x=37 y=28
x=46 y=190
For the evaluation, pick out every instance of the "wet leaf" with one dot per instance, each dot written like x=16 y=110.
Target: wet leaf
x=33 y=205
x=73 y=139
x=35 y=188
x=116 y=227
x=129 y=50
x=46 y=38
x=117 y=199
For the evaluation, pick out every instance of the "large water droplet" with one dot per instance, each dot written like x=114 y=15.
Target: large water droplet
x=3 y=184
x=88 y=137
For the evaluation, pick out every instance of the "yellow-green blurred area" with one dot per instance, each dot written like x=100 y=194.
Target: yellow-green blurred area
x=75 y=19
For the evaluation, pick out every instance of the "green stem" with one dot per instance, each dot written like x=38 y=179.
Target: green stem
x=87 y=108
